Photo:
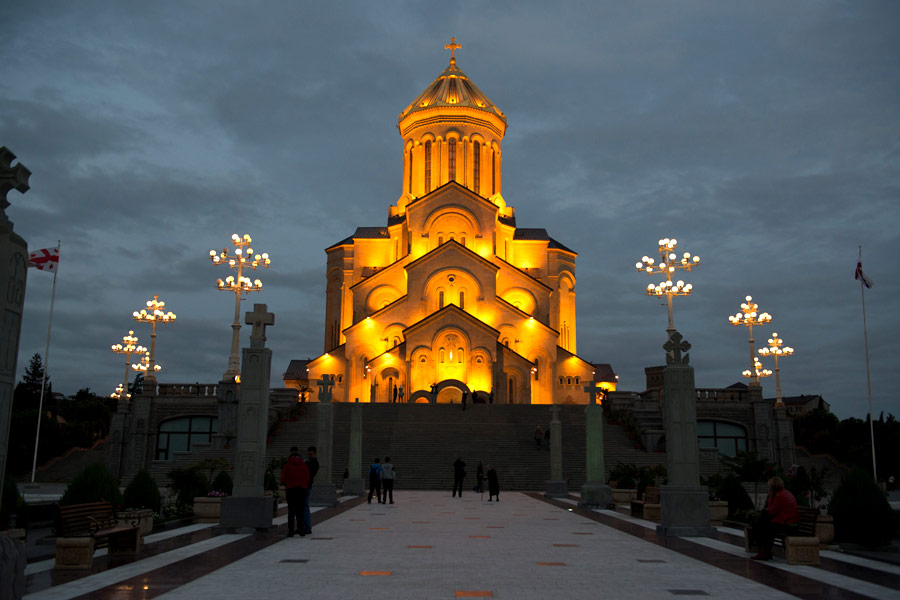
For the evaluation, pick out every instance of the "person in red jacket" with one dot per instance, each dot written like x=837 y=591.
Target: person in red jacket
x=295 y=477
x=779 y=518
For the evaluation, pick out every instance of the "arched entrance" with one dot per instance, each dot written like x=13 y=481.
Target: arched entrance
x=451 y=390
x=420 y=397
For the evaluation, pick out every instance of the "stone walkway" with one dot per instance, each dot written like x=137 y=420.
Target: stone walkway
x=429 y=545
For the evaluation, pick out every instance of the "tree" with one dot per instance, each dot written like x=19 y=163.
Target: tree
x=748 y=466
x=27 y=395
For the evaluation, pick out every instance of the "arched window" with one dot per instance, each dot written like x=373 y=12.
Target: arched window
x=459 y=354
x=442 y=355
x=511 y=390
x=562 y=380
x=479 y=360
x=577 y=381
x=396 y=341
x=410 y=169
x=493 y=173
x=451 y=158
x=422 y=358
x=179 y=435
x=568 y=381
x=476 y=164
x=727 y=437
x=441 y=302
x=427 y=166
x=463 y=240
x=462 y=300
x=440 y=240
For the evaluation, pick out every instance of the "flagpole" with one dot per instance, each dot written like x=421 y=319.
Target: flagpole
x=862 y=293
x=37 y=435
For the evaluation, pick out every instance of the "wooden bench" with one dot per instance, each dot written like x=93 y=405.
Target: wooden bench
x=86 y=527
x=799 y=549
x=648 y=506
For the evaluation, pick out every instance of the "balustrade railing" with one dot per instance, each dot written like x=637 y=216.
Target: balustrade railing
x=722 y=395
x=201 y=390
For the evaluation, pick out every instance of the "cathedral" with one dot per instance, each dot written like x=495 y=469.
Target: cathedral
x=451 y=298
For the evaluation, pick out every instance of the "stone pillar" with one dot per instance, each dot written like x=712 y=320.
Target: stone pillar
x=227 y=402
x=13 y=267
x=355 y=484
x=248 y=508
x=595 y=492
x=556 y=487
x=324 y=492
x=684 y=502
x=784 y=438
x=115 y=458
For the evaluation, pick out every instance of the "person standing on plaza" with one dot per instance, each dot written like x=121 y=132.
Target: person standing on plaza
x=493 y=484
x=464 y=396
x=459 y=473
x=312 y=464
x=479 y=474
x=375 y=480
x=295 y=478
x=387 y=479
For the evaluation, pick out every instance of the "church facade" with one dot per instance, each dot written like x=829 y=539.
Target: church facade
x=451 y=297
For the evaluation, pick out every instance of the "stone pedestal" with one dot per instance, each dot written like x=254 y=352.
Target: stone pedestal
x=684 y=503
x=684 y=511
x=595 y=495
x=556 y=487
x=324 y=492
x=246 y=514
x=208 y=509
x=355 y=484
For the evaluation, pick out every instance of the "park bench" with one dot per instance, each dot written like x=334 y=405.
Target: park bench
x=648 y=507
x=86 y=527
x=799 y=549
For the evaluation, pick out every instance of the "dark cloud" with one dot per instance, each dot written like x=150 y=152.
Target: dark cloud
x=763 y=136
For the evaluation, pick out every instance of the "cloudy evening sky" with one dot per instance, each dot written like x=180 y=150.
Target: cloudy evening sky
x=764 y=136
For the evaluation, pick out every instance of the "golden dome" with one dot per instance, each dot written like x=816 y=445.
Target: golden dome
x=452 y=88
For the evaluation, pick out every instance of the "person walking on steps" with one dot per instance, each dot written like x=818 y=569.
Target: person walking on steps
x=295 y=478
x=493 y=484
x=459 y=474
x=387 y=480
x=538 y=437
x=312 y=464
x=375 y=480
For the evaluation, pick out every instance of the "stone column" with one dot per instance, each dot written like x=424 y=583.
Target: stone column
x=248 y=508
x=556 y=487
x=13 y=267
x=227 y=401
x=595 y=492
x=355 y=484
x=784 y=440
x=684 y=502
x=324 y=492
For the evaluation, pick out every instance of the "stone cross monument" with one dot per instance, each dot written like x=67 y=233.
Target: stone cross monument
x=248 y=508
x=595 y=492
x=13 y=266
x=355 y=484
x=684 y=502
x=324 y=492
x=556 y=487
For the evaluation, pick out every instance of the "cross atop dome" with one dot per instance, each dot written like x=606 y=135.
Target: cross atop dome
x=452 y=47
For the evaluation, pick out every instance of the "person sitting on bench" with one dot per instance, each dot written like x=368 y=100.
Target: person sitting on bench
x=779 y=519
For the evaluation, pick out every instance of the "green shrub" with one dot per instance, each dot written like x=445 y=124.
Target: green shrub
x=861 y=511
x=94 y=484
x=223 y=483
x=188 y=484
x=731 y=490
x=142 y=491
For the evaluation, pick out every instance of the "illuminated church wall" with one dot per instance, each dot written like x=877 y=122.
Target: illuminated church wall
x=451 y=294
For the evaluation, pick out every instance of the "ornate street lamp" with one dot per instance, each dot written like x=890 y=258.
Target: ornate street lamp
x=749 y=316
x=669 y=262
x=241 y=259
x=153 y=314
x=128 y=347
x=144 y=365
x=776 y=349
x=757 y=372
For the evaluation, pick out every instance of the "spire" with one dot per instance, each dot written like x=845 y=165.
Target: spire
x=452 y=47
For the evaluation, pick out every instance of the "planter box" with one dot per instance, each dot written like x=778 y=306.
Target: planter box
x=142 y=516
x=207 y=509
x=718 y=512
x=623 y=496
x=825 y=529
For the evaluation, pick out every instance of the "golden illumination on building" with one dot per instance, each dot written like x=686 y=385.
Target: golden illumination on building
x=451 y=296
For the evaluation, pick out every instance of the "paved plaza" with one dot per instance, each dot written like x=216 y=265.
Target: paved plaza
x=429 y=545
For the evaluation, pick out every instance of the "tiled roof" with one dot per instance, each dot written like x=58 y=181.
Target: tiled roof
x=297 y=370
x=371 y=233
x=554 y=244
x=604 y=372
x=511 y=221
x=396 y=219
x=531 y=234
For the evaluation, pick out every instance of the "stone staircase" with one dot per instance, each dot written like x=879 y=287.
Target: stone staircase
x=424 y=440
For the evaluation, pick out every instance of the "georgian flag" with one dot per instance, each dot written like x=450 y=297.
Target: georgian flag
x=46 y=259
x=859 y=275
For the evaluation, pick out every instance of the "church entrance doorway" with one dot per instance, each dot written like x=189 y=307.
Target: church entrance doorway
x=451 y=391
